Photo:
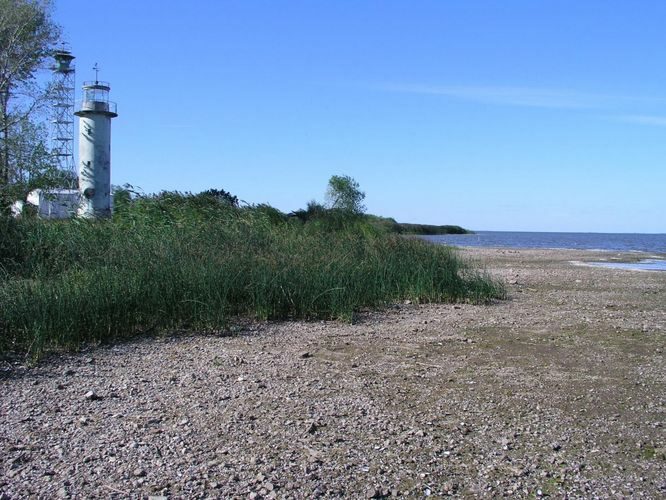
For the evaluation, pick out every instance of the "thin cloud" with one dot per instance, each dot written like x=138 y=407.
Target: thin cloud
x=658 y=121
x=533 y=97
x=508 y=96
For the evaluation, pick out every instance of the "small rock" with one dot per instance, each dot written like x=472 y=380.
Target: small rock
x=556 y=446
x=517 y=471
x=312 y=428
x=138 y=472
x=68 y=372
x=304 y=355
x=371 y=492
x=92 y=396
x=449 y=487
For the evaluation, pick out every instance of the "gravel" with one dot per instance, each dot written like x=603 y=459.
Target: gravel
x=558 y=391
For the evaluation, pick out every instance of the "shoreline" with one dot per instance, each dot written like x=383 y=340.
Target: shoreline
x=620 y=257
x=631 y=253
x=560 y=389
x=557 y=249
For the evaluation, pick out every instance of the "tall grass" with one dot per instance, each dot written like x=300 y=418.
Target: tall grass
x=176 y=261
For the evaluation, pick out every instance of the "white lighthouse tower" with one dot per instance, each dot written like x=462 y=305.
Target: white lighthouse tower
x=95 y=149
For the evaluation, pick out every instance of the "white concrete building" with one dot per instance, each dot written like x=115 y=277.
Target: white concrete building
x=52 y=204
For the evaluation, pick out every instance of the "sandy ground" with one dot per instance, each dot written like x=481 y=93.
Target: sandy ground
x=558 y=391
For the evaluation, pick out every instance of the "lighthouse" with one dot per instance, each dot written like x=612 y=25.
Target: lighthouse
x=95 y=117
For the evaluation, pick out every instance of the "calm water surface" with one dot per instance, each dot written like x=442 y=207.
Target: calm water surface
x=652 y=243
x=578 y=241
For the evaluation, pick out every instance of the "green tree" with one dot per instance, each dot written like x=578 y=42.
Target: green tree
x=27 y=35
x=32 y=165
x=344 y=194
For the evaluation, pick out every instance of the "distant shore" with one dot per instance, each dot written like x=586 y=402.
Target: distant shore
x=428 y=229
x=392 y=225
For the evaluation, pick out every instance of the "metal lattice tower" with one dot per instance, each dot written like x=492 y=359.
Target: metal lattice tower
x=62 y=122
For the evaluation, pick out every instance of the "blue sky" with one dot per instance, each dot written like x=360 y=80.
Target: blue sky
x=499 y=115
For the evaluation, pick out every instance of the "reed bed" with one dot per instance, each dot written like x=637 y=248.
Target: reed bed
x=177 y=261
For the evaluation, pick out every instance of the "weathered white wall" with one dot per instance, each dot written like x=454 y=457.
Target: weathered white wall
x=54 y=204
x=95 y=164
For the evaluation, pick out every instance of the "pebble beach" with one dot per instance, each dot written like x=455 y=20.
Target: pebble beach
x=557 y=391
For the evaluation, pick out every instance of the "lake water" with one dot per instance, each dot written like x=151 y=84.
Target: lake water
x=652 y=243
x=578 y=241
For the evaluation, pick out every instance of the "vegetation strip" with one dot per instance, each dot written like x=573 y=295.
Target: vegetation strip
x=195 y=261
